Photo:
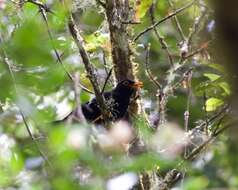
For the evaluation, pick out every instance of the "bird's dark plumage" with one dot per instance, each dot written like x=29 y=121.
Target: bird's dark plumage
x=117 y=101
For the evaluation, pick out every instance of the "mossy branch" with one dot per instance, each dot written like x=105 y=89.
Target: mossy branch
x=89 y=68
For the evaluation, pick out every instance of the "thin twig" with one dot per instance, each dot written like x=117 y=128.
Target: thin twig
x=43 y=13
x=6 y=62
x=160 y=94
x=217 y=116
x=163 y=43
x=195 y=27
x=107 y=79
x=182 y=62
x=198 y=150
x=33 y=138
x=58 y=56
x=187 y=112
x=194 y=53
x=163 y=20
x=149 y=73
x=105 y=67
x=180 y=82
x=41 y=5
x=177 y=23
x=208 y=141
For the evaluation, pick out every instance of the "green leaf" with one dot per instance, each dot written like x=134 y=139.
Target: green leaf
x=17 y=162
x=212 y=76
x=196 y=183
x=30 y=45
x=84 y=97
x=95 y=41
x=142 y=8
x=6 y=84
x=226 y=87
x=217 y=67
x=146 y=161
x=213 y=103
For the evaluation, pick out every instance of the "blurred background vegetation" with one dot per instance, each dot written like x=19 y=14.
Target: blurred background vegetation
x=37 y=56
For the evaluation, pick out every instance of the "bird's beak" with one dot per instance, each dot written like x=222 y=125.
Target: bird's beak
x=137 y=85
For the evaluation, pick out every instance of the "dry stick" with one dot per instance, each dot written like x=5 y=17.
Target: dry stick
x=149 y=73
x=218 y=125
x=183 y=60
x=187 y=112
x=223 y=111
x=195 y=27
x=182 y=63
x=163 y=20
x=6 y=62
x=200 y=148
x=217 y=117
x=194 y=52
x=90 y=70
x=34 y=139
x=170 y=179
x=43 y=13
x=179 y=83
x=208 y=141
x=107 y=79
x=177 y=23
x=163 y=43
x=160 y=89
x=105 y=67
x=193 y=31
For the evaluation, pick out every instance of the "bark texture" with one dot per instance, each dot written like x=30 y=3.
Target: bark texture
x=118 y=13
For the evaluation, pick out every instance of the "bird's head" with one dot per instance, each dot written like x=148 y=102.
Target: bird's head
x=128 y=86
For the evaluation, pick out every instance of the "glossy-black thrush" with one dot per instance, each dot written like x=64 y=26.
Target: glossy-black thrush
x=117 y=101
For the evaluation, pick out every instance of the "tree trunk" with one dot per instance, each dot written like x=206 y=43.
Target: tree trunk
x=117 y=12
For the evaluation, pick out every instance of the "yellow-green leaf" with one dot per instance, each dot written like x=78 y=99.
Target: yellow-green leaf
x=212 y=76
x=217 y=67
x=226 y=87
x=213 y=103
x=142 y=8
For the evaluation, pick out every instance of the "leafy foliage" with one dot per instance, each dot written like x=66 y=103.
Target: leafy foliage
x=37 y=60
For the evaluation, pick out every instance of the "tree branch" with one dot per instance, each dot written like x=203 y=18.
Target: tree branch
x=8 y=66
x=117 y=11
x=178 y=26
x=163 y=43
x=89 y=68
x=149 y=73
x=163 y=20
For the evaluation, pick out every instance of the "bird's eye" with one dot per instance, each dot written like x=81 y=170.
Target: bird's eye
x=126 y=83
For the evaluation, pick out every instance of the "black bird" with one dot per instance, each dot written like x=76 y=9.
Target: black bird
x=117 y=102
